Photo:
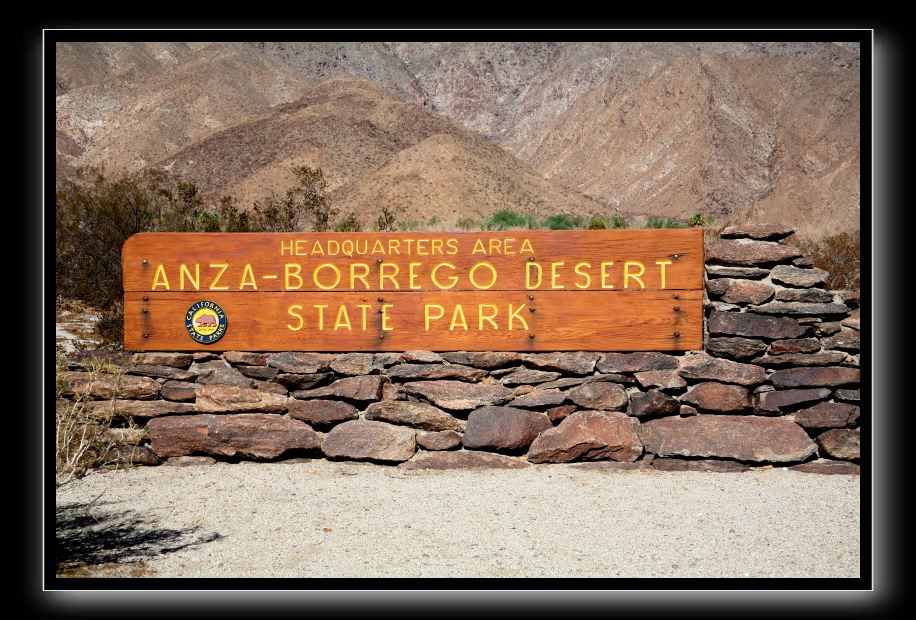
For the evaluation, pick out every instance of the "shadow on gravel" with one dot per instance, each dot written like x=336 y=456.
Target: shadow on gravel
x=90 y=535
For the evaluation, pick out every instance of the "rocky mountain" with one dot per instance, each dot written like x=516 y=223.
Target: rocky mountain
x=742 y=131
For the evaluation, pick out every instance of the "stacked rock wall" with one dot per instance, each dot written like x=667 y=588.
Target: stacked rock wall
x=777 y=385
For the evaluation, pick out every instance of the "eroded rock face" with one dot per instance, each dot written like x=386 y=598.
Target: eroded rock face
x=814 y=377
x=736 y=291
x=457 y=395
x=745 y=438
x=483 y=359
x=503 y=428
x=356 y=364
x=254 y=435
x=415 y=414
x=136 y=408
x=713 y=396
x=539 y=398
x=588 y=435
x=635 y=362
x=435 y=371
x=321 y=411
x=735 y=347
x=700 y=365
x=599 y=395
x=367 y=439
x=155 y=358
x=779 y=400
x=840 y=443
x=227 y=398
x=104 y=386
x=752 y=325
x=828 y=415
x=575 y=362
x=362 y=388
x=218 y=372
x=165 y=372
x=662 y=379
x=802 y=278
x=652 y=404
x=749 y=252
x=300 y=363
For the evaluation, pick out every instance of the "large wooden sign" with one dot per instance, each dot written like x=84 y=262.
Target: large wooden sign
x=601 y=290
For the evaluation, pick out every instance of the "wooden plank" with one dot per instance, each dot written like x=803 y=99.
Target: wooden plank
x=214 y=260
x=562 y=321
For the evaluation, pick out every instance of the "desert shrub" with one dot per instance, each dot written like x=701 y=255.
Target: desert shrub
x=349 y=224
x=433 y=221
x=305 y=201
x=700 y=220
x=664 y=222
x=618 y=221
x=386 y=221
x=839 y=255
x=596 y=224
x=409 y=225
x=505 y=219
x=467 y=223
x=562 y=222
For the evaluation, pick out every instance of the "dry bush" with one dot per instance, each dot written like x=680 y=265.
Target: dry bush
x=839 y=256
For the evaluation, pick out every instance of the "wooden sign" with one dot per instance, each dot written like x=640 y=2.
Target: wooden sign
x=598 y=290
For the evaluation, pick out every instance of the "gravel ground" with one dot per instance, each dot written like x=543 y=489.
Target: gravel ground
x=335 y=519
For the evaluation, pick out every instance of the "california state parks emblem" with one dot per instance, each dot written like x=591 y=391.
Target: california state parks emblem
x=205 y=322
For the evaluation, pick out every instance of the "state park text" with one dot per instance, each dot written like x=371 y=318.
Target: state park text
x=515 y=290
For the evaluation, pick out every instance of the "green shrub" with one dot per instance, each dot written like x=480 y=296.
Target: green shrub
x=596 y=224
x=385 y=222
x=349 y=224
x=563 y=222
x=467 y=223
x=618 y=221
x=661 y=222
x=408 y=225
x=505 y=219
x=700 y=220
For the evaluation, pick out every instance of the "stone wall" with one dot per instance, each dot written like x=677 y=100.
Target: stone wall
x=777 y=385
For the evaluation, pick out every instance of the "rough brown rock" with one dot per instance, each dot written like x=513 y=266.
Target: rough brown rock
x=204 y=356
x=828 y=415
x=745 y=438
x=269 y=386
x=439 y=440
x=739 y=348
x=652 y=404
x=254 y=435
x=850 y=298
x=503 y=428
x=672 y=464
x=246 y=357
x=575 y=362
x=826 y=466
x=435 y=371
x=599 y=395
x=363 y=388
x=218 y=372
x=527 y=375
x=303 y=382
x=823 y=358
x=539 y=398
x=301 y=363
x=852 y=321
x=762 y=232
x=356 y=364
x=322 y=411
x=227 y=398
x=136 y=408
x=798 y=308
x=779 y=400
x=635 y=362
x=795 y=345
x=804 y=261
x=749 y=252
x=558 y=413
x=751 y=325
x=265 y=373
x=840 y=443
x=718 y=397
x=366 y=439
x=483 y=359
x=156 y=358
x=420 y=356
x=847 y=395
x=189 y=461
x=415 y=414
x=458 y=395
x=723 y=271
x=177 y=390
x=827 y=328
x=92 y=360
x=847 y=340
x=814 y=377
x=104 y=386
x=588 y=435
x=462 y=459
x=801 y=278
x=740 y=291
x=662 y=379
x=687 y=410
x=165 y=372
x=700 y=365
x=807 y=295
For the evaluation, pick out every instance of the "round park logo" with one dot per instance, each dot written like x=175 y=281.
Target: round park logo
x=205 y=322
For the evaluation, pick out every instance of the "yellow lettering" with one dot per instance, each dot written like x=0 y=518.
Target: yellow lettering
x=507 y=246
x=474 y=270
x=364 y=308
x=661 y=266
x=421 y=247
x=361 y=277
x=478 y=247
x=496 y=246
x=292 y=312
x=316 y=249
x=248 y=278
x=588 y=278
x=554 y=276
x=604 y=275
x=481 y=317
x=320 y=308
x=452 y=282
x=286 y=246
x=514 y=314
x=385 y=317
x=195 y=279
x=343 y=319
x=428 y=316
x=289 y=273
x=526 y=247
x=336 y=276
x=394 y=246
x=224 y=267
x=160 y=270
x=528 y=267
x=336 y=247
x=459 y=311
x=382 y=276
x=377 y=247
x=636 y=276
x=412 y=273
x=300 y=247
x=452 y=245
x=437 y=246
